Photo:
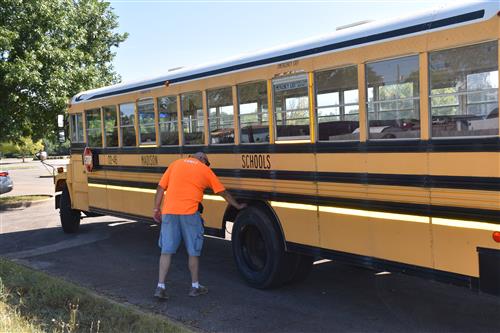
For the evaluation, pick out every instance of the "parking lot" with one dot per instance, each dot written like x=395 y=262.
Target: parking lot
x=118 y=258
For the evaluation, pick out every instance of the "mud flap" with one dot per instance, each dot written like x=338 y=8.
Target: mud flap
x=489 y=270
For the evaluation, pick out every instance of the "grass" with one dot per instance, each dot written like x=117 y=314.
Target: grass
x=12 y=321
x=22 y=198
x=31 y=301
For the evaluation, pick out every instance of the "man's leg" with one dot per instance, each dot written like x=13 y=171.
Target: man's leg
x=165 y=260
x=194 y=263
x=192 y=233
x=170 y=237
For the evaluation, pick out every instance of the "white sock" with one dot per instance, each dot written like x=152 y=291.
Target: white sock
x=161 y=285
x=195 y=285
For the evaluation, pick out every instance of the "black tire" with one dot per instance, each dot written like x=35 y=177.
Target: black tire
x=259 y=251
x=70 y=218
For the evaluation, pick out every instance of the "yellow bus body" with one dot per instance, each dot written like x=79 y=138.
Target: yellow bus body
x=437 y=228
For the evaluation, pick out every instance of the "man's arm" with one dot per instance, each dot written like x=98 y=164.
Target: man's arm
x=158 y=197
x=232 y=201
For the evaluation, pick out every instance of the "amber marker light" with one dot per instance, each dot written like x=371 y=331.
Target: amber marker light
x=496 y=236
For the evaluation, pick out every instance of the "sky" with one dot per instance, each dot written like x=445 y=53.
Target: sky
x=167 y=34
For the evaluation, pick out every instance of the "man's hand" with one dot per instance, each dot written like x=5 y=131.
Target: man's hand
x=157 y=215
x=229 y=198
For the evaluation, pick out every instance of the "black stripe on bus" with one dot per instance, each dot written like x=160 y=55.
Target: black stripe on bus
x=490 y=144
x=425 y=181
x=127 y=183
x=386 y=265
x=427 y=26
x=484 y=215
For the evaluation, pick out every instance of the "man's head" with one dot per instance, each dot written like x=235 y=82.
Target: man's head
x=202 y=157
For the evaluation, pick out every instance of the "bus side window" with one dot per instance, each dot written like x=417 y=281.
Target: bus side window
x=93 y=122
x=464 y=91
x=167 y=114
x=110 y=126
x=193 y=122
x=220 y=115
x=253 y=116
x=127 y=122
x=76 y=127
x=147 y=131
x=337 y=104
x=393 y=98
x=291 y=107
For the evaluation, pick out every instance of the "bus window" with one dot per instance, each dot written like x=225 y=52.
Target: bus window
x=254 y=118
x=147 y=131
x=393 y=101
x=291 y=107
x=110 y=126
x=167 y=112
x=192 y=118
x=94 y=134
x=76 y=127
x=464 y=90
x=220 y=115
x=337 y=106
x=127 y=121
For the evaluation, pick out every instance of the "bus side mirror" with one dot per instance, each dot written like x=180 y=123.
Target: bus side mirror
x=62 y=136
x=60 y=125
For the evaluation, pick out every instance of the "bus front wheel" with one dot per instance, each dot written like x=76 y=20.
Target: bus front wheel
x=259 y=250
x=70 y=218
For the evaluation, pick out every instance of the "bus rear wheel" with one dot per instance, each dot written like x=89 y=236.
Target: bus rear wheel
x=259 y=251
x=70 y=218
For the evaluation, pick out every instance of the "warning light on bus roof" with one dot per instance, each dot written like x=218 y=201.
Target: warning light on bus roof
x=496 y=236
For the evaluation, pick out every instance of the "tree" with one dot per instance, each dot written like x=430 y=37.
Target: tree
x=24 y=147
x=49 y=51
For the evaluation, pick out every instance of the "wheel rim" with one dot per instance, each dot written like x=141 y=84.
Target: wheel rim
x=253 y=248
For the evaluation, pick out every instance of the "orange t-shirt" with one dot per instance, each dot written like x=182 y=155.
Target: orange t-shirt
x=184 y=181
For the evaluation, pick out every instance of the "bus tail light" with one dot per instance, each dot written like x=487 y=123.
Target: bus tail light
x=496 y=236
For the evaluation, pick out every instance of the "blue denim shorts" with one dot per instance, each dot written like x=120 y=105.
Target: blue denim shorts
x=175 y=228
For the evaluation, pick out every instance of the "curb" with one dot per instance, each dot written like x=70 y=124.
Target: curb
x=24 y=204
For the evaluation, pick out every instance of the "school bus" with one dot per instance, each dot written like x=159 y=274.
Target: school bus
x=377 y=145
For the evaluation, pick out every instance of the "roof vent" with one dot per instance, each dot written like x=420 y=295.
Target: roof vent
x=350 y=25
x=175 y=69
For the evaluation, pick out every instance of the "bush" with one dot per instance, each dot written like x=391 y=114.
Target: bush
x=24 y=148
x=56 y=148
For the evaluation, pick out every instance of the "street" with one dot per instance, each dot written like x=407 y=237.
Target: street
x=118 y=258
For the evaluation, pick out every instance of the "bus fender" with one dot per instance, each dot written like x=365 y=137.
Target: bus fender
x=60 y=183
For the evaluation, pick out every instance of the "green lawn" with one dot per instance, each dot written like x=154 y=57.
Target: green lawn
x=31 y=301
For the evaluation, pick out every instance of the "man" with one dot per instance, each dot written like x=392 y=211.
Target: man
x=184 y=182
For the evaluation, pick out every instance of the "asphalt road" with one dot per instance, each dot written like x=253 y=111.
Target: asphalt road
x=118 y=258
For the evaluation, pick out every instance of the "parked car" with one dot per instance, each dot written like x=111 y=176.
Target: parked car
x=6 y=184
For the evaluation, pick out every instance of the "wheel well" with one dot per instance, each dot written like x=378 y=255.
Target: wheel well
x=231 y=213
